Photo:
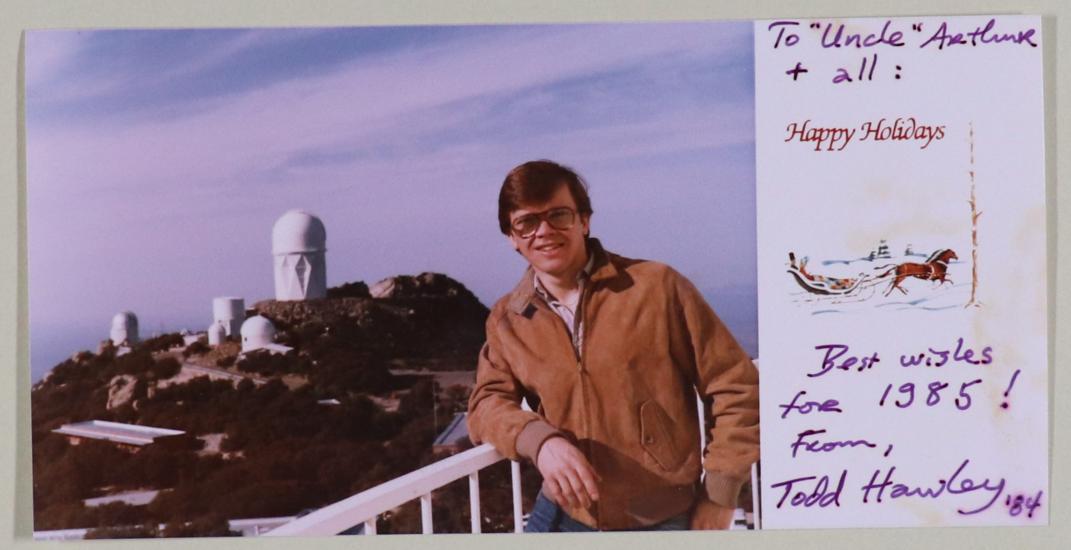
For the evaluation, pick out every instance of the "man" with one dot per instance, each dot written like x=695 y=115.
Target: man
x=611 y=351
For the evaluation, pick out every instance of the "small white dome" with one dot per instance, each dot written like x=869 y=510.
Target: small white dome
x=216 y=334
x=124 y=328
x=257 y=332
x=296 y=232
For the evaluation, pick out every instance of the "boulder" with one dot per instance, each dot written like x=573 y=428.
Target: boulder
x=121 y=390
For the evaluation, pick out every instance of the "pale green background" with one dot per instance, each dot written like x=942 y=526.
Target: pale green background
x=17 y=15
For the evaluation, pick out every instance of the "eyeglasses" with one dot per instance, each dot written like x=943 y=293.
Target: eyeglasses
x=559 y=218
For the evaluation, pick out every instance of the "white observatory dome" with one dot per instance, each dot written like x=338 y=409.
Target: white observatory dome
x=216 y=334
x=299 y=250
x=124 y=328
x=298 y=232
x=257 y=332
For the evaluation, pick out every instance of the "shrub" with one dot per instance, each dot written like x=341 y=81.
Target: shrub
x=196 y=348
x=136 y=362
x=161 y=342
x=356 y=289
x=164 y=368
x=123 y=532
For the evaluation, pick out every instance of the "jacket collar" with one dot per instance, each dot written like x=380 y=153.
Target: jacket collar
x=602 y=268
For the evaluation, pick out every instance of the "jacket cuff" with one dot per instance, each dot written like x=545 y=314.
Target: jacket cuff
x=722 y=489
x=532 y=437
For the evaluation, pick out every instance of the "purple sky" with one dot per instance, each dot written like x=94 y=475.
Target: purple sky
x=157 y=161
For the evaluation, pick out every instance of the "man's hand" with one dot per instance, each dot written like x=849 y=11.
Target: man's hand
x=568 y=478
x=709 y=516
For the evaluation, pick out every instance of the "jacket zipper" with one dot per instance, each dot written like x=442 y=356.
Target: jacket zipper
x=586 y=327
x=578 y=352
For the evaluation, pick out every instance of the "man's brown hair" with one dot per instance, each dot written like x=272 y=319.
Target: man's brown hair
x=536 y=182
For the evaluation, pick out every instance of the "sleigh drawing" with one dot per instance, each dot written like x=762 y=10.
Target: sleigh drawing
x=934 y=268
x=821 y=284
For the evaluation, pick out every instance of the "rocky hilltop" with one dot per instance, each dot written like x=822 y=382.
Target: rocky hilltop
x=266 y=434
x=428 y=320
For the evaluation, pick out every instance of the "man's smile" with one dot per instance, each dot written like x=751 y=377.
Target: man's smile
x=549 y=248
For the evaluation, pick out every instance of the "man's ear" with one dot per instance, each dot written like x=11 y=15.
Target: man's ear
x=585 y=222
x=513 y=243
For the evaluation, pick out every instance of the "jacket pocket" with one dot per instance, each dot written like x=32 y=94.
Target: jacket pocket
x=656 y=437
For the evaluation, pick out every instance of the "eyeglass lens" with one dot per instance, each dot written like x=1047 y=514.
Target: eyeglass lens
x=558 y=218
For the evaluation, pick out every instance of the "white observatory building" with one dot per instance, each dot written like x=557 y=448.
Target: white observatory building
x=229 y=312
x=299 y=245
x=124 y=328
x=259 y=333
x=216 y=334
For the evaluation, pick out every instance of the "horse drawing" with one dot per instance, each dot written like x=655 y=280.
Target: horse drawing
x=935 y=268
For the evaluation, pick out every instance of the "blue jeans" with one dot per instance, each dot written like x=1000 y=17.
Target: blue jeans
x=547 y=517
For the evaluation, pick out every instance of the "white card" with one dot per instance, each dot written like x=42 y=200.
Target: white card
x=903 y=348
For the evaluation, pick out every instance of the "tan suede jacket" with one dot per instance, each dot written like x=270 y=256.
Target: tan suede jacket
x=628 y=402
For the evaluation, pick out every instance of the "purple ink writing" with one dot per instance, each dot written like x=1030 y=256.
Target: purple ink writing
x=934 y=396
x=782 y=26
x=908 y=391
x=833 y=352
x=841 y=74
x=1004 y=405
x=1017 y=504
x=817 y=446
x=829 y=405
x=834 y=36
x=979 y=36
x=820 y=494
x=966 y=397
x=956 y=484
x=941 y=357
x=795 y=73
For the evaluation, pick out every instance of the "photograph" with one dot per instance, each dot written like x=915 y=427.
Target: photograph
x=395 y=279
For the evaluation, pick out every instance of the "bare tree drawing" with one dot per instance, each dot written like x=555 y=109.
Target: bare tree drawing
x=975 y=214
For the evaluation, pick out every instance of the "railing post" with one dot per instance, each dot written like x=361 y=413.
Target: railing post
x=363 y=508
x=756 y=495
x=702 y=423
x=474 y=500
x=425 y=514
x=518 y=513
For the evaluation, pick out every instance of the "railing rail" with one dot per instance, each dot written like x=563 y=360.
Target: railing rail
x=366 y=506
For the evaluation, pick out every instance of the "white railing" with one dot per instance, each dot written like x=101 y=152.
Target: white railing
x=61 y=534
x=365 y=507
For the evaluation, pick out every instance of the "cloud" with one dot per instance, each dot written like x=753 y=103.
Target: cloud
x=117 y=72
x=361 y=103
x=51 y=56
x=179 y=189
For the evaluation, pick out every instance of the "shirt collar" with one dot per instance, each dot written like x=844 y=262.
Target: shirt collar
x=600 y=268
x=542 y=290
